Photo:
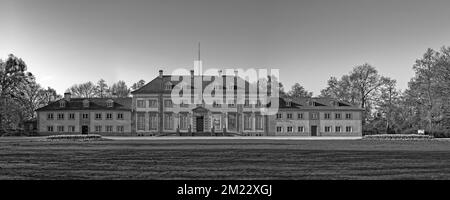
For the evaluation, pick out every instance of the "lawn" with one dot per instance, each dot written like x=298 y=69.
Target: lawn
x=27 y=158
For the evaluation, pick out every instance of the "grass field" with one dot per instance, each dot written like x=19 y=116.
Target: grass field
x=27 y=158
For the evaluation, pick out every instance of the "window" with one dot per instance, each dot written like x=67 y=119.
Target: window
x=247 y=121
x=216 y=105
x=279 y=129
x=288 y=104
x=258 y=104
x=338 y=129
x=109 y=116
x=327 y=129
x=301 y=129
x=120 y=129
x=289 y=129
x=168 y=121
x=153 y=103
x=50 y=116
x=109 y=103
x=85 y=116
x=120 y=116
x=348 y=129
x=71 y=129
x=98 y=128
x=247 y=103
x=300 y=115
x=259 y=122
x=168 y=103
x=153 y=121
x=279 y=115
x=60 y=116
x=348 y=116
x=60 y=128
x=86 y=103
x=338 y=115
x=289 y=116
x=326 y=116
x=98 y=116
x=62 y=104
x=140 y=103
x=109 y=129
x=72 y=116
x=232 y=121
x=183 y=121
x=230 y=87
x=140 y=121
x=184 y=104
x=314 y=116
x=50 y=128
x=168 y=86
x=232 y=103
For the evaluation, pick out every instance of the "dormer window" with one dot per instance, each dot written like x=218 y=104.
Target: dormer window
x=288 y=104
x=109 y=103
x=86 y=103
x=62 y=104
x=168 y=86
x=333 y=103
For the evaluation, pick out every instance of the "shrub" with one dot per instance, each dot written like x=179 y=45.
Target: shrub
x=398 y=137
x=75 y=137
x=438 y=133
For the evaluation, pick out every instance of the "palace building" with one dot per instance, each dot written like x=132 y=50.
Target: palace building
x=176 y=105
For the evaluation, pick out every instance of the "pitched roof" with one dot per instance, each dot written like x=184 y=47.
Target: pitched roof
x=94 y=104
x=317 y=103
x=156 y=86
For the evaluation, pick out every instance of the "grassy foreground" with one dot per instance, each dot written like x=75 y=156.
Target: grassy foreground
x=27 y=158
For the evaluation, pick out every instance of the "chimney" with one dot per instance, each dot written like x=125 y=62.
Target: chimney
x=67 y=96
x=236 y=73
x=160 y=73
x=192 y=73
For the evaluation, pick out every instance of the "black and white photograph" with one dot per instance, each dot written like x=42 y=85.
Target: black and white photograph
x=224 y=90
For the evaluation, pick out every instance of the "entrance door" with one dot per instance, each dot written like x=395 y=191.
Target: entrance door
x=84 y=130
x=313 y=130
x=199 y=124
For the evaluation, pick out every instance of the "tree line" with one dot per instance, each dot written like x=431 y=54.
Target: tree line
x=101 y=89
x=423 y=105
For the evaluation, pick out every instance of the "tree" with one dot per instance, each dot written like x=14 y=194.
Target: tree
x=360 y=86
x=138 y=85
x=13 y=73
x=33 y=96
x=387 y=103
x=102 y=89
x=429 y=90
x=297 y=91
x=120 y=89
x=341 y=89
x=84 y=90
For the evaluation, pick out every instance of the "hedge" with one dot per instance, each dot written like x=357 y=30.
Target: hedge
x=398 y=137
x=75 y=137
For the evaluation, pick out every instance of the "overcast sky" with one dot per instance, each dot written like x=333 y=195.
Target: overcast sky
x=73 y=41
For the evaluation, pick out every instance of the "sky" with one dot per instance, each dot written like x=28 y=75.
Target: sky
x=65 y=42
